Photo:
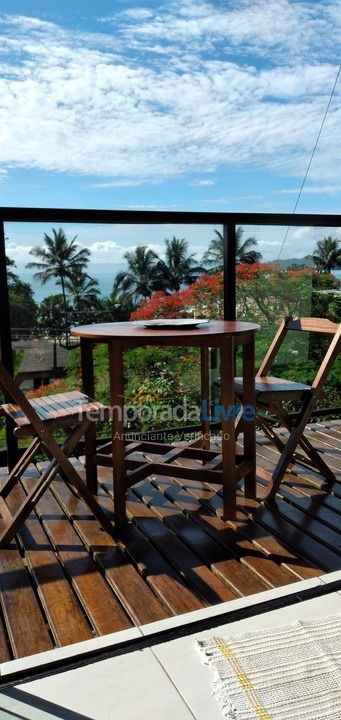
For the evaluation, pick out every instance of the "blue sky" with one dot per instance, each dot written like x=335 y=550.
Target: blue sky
x=182 y=105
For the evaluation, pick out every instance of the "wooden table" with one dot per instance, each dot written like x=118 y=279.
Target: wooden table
x=133 y=461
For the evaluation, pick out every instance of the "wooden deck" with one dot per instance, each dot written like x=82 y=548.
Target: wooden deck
x=65 y=580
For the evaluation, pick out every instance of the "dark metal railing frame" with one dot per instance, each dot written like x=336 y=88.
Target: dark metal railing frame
x=229 y=221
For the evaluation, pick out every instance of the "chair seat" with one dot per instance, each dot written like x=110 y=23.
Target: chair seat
x=61 y=410
x=270 y=387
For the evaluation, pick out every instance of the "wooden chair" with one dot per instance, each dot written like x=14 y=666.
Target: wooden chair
x=272 y=391
x=74 y=413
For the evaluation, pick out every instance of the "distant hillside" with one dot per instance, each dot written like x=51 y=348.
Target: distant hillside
x=306 y=261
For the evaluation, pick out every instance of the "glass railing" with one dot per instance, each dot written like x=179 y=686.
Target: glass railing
x=237 y=267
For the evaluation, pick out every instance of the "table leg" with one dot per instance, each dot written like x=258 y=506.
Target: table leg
x=205 y=397
x=116 y=402
x=249 y=423
x=228 y=429
x=88 y=384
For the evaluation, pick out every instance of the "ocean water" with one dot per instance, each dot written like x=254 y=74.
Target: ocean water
x=105 y=282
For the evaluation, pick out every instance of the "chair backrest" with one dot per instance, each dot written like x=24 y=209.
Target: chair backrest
x=316 y=325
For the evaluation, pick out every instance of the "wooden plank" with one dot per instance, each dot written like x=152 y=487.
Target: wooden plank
x=116 y=402
x=5 y=653
x=299 y=474
x=197 y=574
x=320 y=520
x=281 y=525
x=304 y=485
x=98 y=601
x=249 y=401
x=222 y=562
x=266 y=542
x=328 y=446
x=23 y=617
x=168 y=584
x=88 y=382
x=300 y=483
x=279 y=520
x=25 y=623
x=186 y=561
x=240 y=532
x=228 y=448
x=247 y=570
x=64 y=614
x=312 y=324
x=182 y=558
x=133 y=592
x=205 y=395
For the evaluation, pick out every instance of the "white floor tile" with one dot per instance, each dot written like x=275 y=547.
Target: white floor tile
x=68 y=652
x=129 y=687
x=183 y=661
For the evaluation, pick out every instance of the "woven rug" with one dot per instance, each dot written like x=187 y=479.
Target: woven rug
x=292 y=672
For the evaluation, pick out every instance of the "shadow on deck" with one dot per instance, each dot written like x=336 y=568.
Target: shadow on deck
x=65 y=580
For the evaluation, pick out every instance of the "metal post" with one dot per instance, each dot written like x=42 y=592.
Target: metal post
x=229 y=234
x=6 y=343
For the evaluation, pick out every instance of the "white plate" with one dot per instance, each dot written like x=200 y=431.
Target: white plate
x=170 y=323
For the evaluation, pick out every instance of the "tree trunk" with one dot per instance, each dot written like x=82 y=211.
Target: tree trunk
x=65 y=312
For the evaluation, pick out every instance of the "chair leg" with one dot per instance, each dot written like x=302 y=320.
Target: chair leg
x=20 y=467
x=18 y=519
x=90 y=462
x=239 y=426
x=313 y=459
x=64 y=464
x=272 y=435
x=317 y=460
x=287 y=455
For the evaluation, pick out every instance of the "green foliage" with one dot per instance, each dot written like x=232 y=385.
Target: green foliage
x=138 y=280
x=155 y=377
x=60 y=258
x=18 y=356
x=23 y=309
x=334 y=309
x=178 y=269
x=214 y=256
x=326 y=281
x=327 y=254
x=53 y=315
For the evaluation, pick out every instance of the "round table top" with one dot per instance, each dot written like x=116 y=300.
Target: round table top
x=130 y=331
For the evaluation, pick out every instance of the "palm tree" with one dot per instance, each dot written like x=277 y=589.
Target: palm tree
x=60 y=259
x=116 y=306
x=139 y=279
x=178 y=268
x=327 y=254
x=214 y=256
x=11 y=276
x=83 y=289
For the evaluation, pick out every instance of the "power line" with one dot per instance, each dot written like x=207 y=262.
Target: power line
x=311 y=157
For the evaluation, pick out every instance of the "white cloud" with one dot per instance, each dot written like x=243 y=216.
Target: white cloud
x=103 y=247
x=19 y=253
x=201 y=183
x=118 y=183
x=281 y=28
x=85 y=103
x=233 y=198
x=134 y=14
x=312 y=190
